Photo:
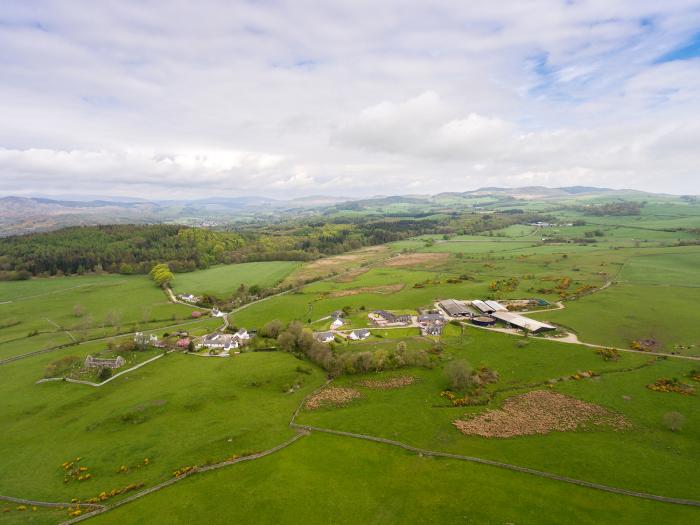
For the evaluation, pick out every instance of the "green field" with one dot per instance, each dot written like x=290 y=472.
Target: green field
x=328 y=479
x=225 y=279
x=636 y=282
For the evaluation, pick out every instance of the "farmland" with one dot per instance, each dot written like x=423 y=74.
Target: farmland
x=225 y=279
x=221 y=426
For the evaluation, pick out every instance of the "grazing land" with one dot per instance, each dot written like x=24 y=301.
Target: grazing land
x=225 y=279
x=350 y=430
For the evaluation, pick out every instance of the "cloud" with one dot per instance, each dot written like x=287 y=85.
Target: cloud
x=349 y=97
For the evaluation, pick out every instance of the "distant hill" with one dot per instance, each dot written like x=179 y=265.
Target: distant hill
x=30 y=214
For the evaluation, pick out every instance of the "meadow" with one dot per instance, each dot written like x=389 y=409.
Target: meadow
x=352 y=481
x=633 y=283
x=179 y=410
x=225 y=279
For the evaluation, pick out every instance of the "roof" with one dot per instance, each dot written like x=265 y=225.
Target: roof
x=361 y=331
x=324 y=335
x=522 y=322
x=430 y=317
x=452 y=307
x=481 y=305
x=497 y=307
x=386 y=315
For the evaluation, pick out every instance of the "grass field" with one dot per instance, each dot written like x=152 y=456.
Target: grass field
x=223 y=280
x=634 y=283
x=352 y=481
x=180 y=410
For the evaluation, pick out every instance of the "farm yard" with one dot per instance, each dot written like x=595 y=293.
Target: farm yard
x=612 y=380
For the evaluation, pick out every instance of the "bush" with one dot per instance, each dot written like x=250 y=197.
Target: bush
x=60 y=366
x=674 y=421
x=104 y=373
x=459 y=374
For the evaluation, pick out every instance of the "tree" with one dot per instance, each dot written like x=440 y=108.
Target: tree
x=78 y=310
x=459 y=374
x=104 y=373
x=674 y=421
x=190 y=346
x=272 y=329
x=161 y=274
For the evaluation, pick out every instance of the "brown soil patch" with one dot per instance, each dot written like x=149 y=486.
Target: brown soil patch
x=333 y=396
x=384 y=289
x=413 y=259
x=384 y=384
x=539 y=412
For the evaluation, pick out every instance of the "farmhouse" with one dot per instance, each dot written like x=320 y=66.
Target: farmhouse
x=217 y=340
x=518 y=321
x=360 y=334
x=337 y=323
x=242 y=336
x=96 y=362
x=215 y=312
x=325 y=337
x=188 y=298
x=454 y=308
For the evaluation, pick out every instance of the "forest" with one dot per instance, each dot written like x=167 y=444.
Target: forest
x=136 y=249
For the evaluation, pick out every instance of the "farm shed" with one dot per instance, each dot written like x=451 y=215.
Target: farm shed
x=496 y=306
x=522 y=322
x=454 y=308
x=482 y=306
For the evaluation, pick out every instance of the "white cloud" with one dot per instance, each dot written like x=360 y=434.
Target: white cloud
x=349 y=97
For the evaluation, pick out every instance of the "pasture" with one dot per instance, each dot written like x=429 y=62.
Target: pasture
x=353 y=481
x=223 y=280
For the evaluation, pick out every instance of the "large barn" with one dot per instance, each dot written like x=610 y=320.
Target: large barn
x=523 y=323
x=454 y=308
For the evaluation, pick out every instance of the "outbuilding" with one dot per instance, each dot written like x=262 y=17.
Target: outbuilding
x=524 y=323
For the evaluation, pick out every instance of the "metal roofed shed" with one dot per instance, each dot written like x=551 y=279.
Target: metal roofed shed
x=524 y=323
x=482 y=306
x=453 y=308
x=496 y=306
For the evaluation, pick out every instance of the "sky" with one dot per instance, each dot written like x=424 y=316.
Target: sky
x=179 y=99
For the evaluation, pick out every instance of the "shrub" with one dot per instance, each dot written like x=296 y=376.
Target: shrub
x=674 y=421
x=608 y=354
x=459 y=374
x=104 y=373
x=60 y=366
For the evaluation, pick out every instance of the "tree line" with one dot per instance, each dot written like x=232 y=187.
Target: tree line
x=136 y=249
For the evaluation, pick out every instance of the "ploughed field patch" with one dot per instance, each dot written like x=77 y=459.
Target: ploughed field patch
x=385 y=384
x=539 y=412
x=333 y=396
